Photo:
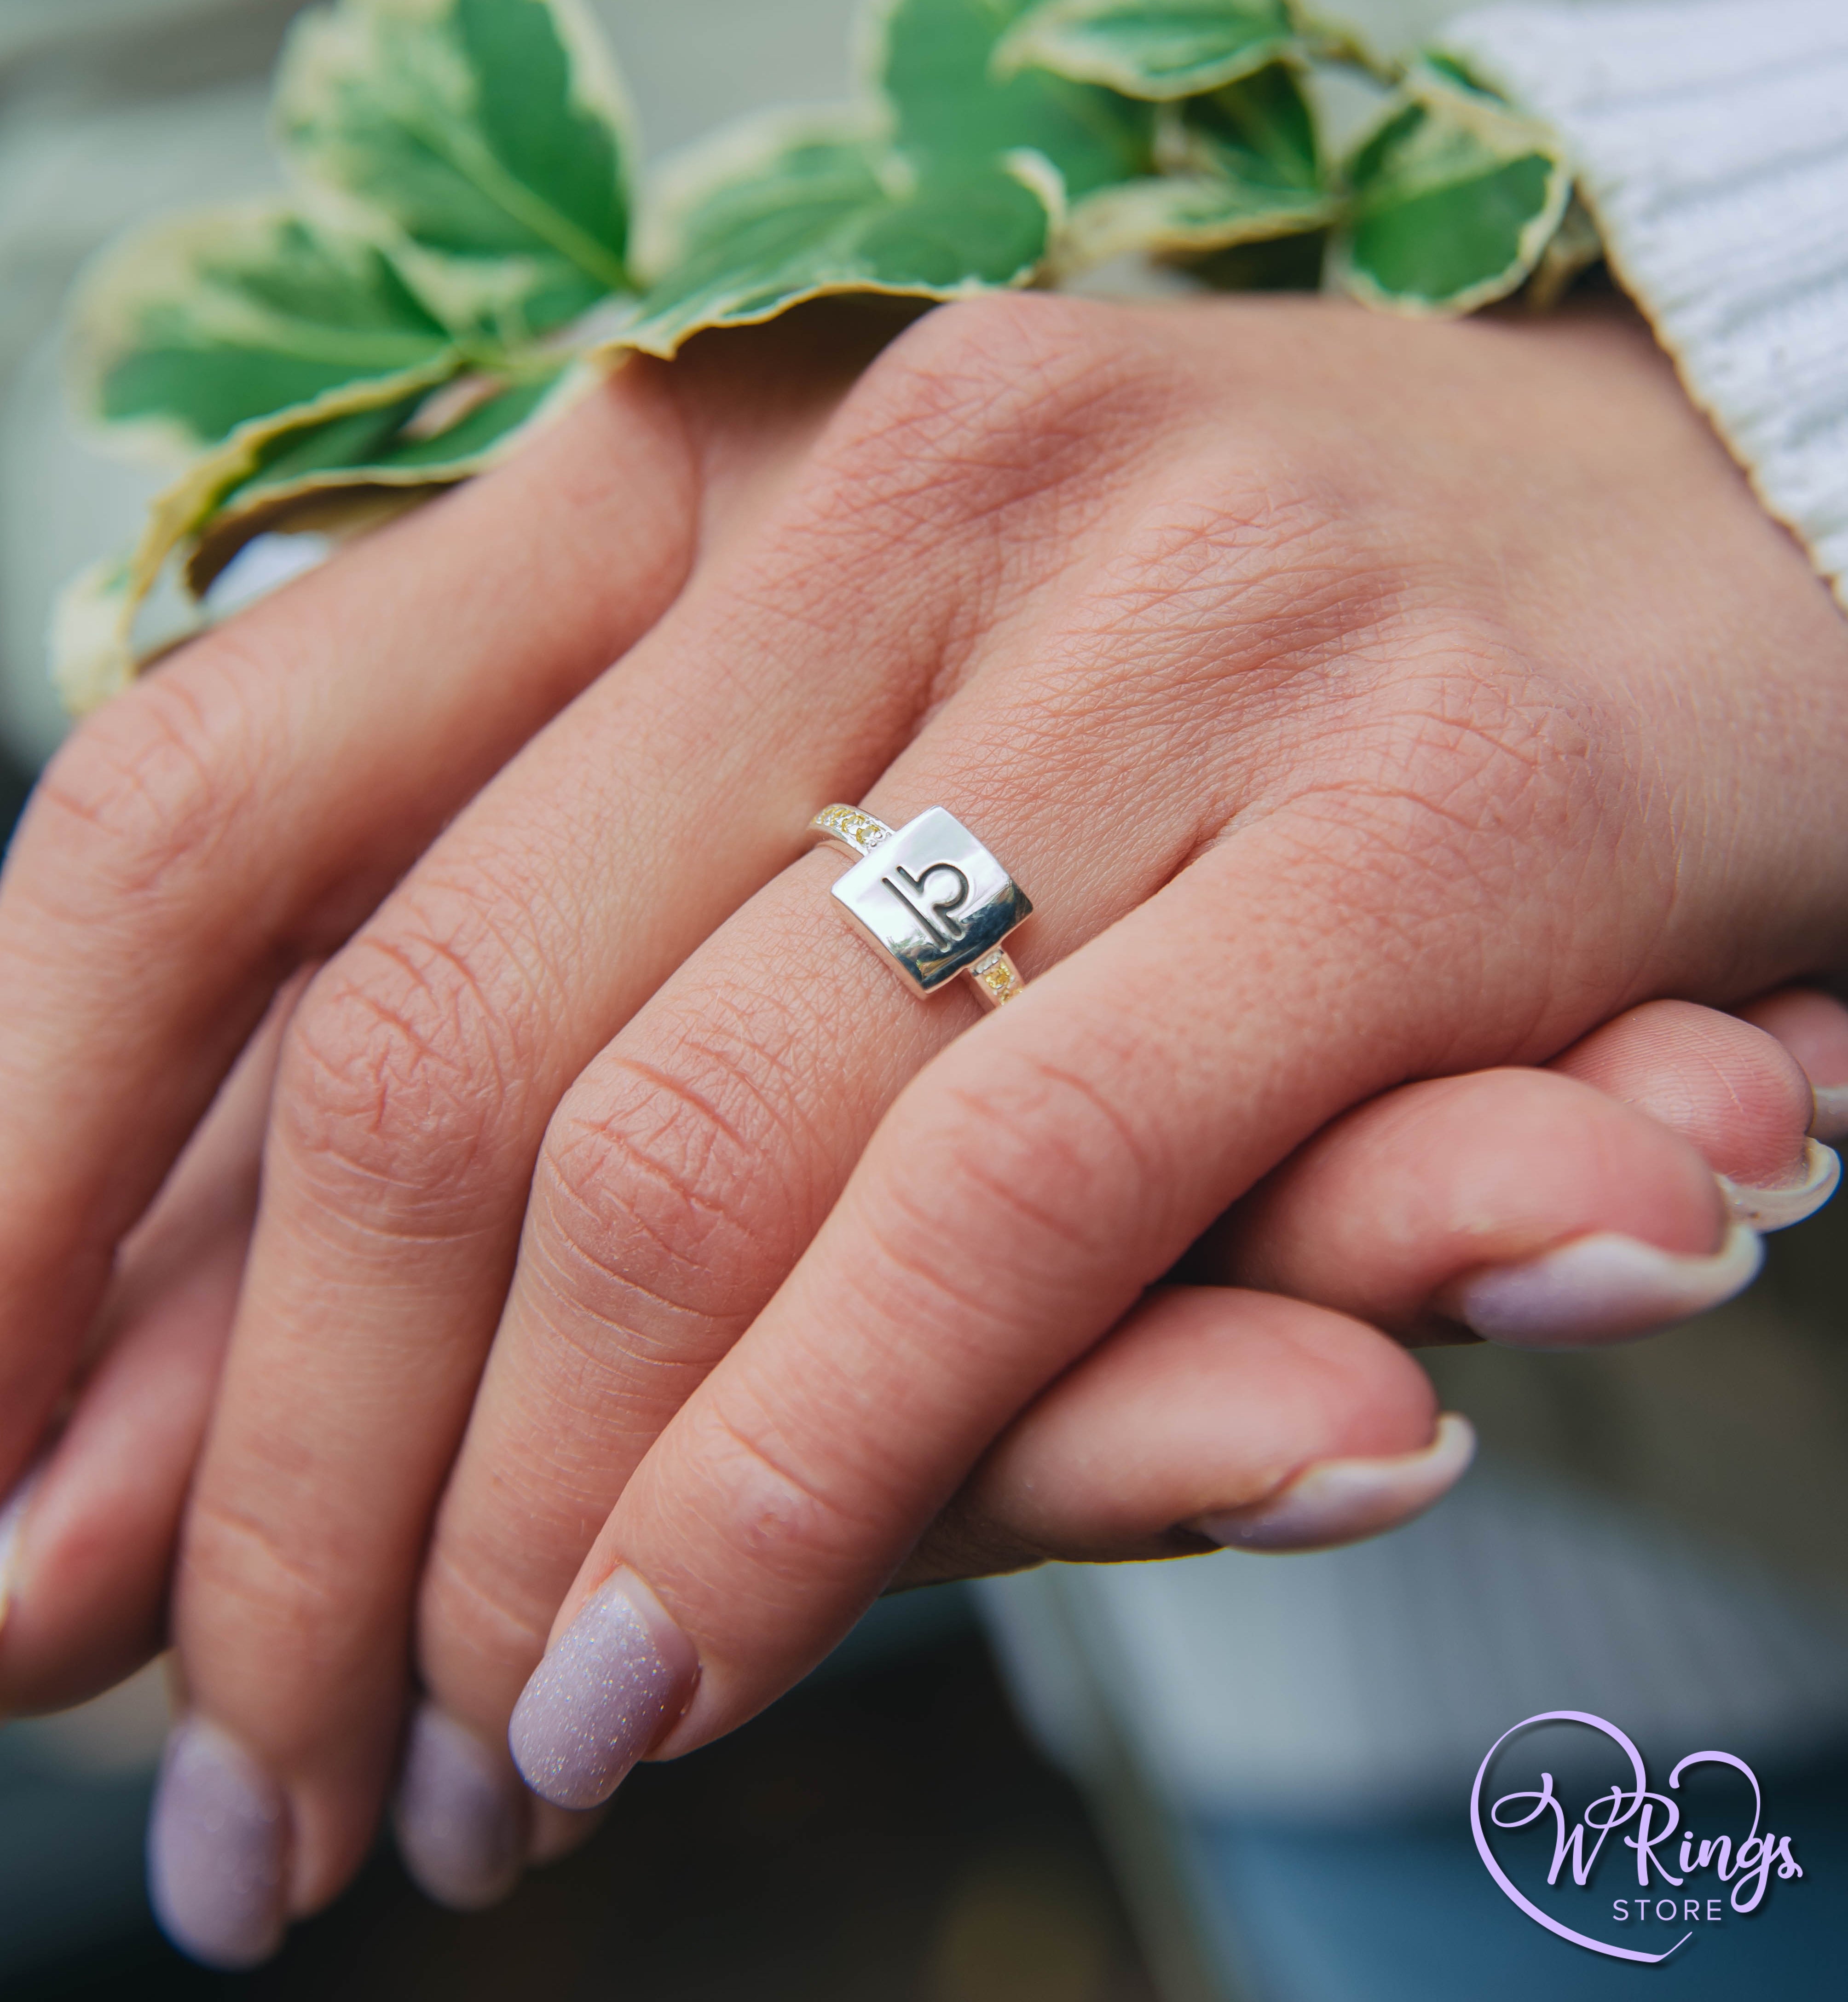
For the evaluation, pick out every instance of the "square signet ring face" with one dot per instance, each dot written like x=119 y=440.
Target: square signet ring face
x=934 y=897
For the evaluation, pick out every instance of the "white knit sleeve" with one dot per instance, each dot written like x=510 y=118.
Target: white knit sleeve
x=1711 y=141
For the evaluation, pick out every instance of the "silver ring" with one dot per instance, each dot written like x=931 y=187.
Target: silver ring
x=933 y=896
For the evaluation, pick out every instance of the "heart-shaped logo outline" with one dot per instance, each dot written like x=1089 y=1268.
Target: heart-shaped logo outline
x=1786 y=1865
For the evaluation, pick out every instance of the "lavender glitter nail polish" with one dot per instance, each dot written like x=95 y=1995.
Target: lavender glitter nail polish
x=620 y=1674
x=460 y=1815
x=216 y=1844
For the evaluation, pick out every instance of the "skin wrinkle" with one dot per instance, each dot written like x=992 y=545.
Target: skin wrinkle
x=175 y=677
x=502 y=899
x=465 y=997
x=787 y=1517
x=375 y=1246
x=361 y=1078
x=612 y=1272
x=904 y=1277
x=1007 y=1175
x=503 y=1635
x=850 y=1386
x=1408 y=935
x=588 y=1156
x=291 y=691
x=882 y=711
x=596 y=1354
x=748 y=1052
x=1459 y=761
x=994 y=397
x=595 y=1350
x=278 y=1593
x=903 y=438
x=595 y=1253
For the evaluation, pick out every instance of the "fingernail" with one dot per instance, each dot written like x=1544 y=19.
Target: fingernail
x=619 y=1675
x=12 y=1528
x=1340 y=1501
x=460 y=1815
x=215 y=1844
x=1776 y=1208
x=1831 y=1121
x=1601 y=1287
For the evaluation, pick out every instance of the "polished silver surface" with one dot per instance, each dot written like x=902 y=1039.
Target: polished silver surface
x=933 y=896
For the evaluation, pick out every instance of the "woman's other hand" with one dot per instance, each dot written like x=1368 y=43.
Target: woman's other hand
x=1359 y=702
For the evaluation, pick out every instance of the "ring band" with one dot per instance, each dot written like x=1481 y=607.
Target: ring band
x=932 y=896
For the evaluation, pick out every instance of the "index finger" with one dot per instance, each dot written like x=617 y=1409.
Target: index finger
x=242 y=808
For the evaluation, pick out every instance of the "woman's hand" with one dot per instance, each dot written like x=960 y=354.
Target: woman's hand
x=1358 y=702
x=1207 y=1416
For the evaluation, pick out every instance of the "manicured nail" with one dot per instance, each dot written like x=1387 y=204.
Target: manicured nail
x=1831 y=1121
x=1340 y=1501
x=216 y=1849
x=12 y=1527
x=618 y=1677
x=1602 y=1287
x=460 y=1815
x=1763 y=1209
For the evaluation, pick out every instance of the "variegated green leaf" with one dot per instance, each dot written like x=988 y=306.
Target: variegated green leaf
x=1172 y=215
x=1241 y=167
x=933 y=60
x=1573 y=249
x=791 y=210
x=91 y=659
x=1454 y=196
x=205 y=321
x=1260 y=131
x=366 y=464
x=93 y=649
x=484 y=142
x=1157 y=49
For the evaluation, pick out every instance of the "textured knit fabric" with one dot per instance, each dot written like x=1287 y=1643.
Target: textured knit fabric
x=1710 y=140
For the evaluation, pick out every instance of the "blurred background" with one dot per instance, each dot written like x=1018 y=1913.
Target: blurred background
x=1232 y=1780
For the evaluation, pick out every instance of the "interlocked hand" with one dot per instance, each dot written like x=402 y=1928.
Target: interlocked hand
x=1362 y=702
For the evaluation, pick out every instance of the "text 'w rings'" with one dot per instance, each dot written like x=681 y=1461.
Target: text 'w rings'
x=932 y=896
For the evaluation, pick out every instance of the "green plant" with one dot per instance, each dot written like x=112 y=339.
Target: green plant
x=457 y=260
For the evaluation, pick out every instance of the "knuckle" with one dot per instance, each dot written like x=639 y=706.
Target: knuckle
x=776 y=1505
x=1497 y=750
x=656 y=1195
x=1271 y=547
x=1219 y=571
x=403 y=1069
x=1462 y=778
x=481 y=1626
x=991 y=400
x=243 y=1571
x=156 y=781
x=1015 y=1174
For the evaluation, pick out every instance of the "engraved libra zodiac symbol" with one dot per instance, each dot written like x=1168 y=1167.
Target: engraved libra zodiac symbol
x=937 y=914
x=933 y=897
